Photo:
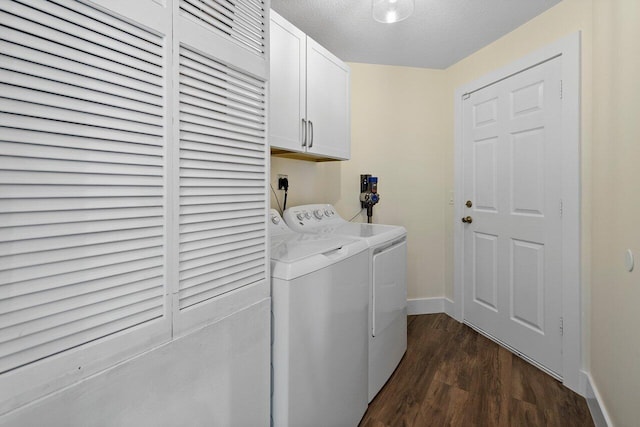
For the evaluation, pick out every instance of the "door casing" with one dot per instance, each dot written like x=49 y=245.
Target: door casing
x=569 y=48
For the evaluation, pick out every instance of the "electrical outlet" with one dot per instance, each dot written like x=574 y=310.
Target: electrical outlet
x=283 y=181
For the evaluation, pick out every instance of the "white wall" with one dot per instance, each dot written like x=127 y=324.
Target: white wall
x=207 y=378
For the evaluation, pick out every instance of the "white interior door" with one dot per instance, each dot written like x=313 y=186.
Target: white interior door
x=512 y=179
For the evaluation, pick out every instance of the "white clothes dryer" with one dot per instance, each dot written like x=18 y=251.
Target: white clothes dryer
x=319 y=306
x=388 y=283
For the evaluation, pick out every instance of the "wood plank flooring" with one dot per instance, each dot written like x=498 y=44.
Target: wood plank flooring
x=453 y=376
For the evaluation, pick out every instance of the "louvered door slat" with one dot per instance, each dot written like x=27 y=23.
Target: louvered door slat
x=77 y=216
x=191 y=107
x=224 y=273
x=17 y=163
x=48 y=40
x=108 y=274
x=82 y=177
x=218 y=246
x=213 y=285
x=192 y=60
x=75 y=129
x=106 y=147
x=220 y=199
x=205 y=77
x=190 y=247
x=206 y=107
x=53 y=230
x=138 y=280
x=23 y=323
x=25 y=150
x=49 y=15
x=77 y=116
x=222 y=175
x=33 y=92
x=109 y=23
x=203 y=143
x=78 y=241
x=203 y=238
x=50 y=342
x=40 y=192
x=220 y=207
x=219 y=19
x=188 y=91
x=222 y=155
x=47 y=65
x=242 y=26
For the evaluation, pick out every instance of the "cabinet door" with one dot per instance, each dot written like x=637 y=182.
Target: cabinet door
x=287 y=95
x=328 y=103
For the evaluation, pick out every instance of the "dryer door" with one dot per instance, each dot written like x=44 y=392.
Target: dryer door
x=389 y=300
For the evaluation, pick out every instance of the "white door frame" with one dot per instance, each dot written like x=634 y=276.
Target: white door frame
x=569 y=48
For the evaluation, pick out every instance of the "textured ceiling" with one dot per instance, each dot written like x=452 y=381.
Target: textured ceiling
x=437 y=35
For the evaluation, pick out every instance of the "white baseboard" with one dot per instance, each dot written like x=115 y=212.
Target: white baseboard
x=594 y=401
x=425 y=305
x=448 y=307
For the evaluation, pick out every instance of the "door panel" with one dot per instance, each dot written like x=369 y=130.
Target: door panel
x=287 y=82
x=328 y=103
x=485 y=270
x=512 y=248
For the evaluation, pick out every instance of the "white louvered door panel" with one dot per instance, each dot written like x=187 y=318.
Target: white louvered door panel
x=83 y=95
x=222 y=179
x=222 y=170
x=235 y=29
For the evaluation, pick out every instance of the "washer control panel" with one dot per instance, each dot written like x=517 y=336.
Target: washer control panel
x=276 y=224
x=305 y=217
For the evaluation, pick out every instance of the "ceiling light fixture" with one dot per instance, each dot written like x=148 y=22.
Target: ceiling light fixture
x=390 y=11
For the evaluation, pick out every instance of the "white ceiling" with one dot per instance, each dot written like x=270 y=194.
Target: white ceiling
x=437 y=35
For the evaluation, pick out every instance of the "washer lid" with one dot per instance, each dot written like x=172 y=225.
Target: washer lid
x=293 y=247
x=373 y=234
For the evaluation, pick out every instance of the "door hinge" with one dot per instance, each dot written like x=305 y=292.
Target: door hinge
x=561 y=94
x=561 y=208
x=561 y=326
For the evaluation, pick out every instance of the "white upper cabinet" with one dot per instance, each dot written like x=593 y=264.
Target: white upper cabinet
x=309 y=97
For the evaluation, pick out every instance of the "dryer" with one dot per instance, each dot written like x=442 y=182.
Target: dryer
x=387 y=320
x=319 y=322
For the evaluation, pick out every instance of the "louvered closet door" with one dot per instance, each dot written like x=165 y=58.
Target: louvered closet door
x=222 y=171
x=82 y=185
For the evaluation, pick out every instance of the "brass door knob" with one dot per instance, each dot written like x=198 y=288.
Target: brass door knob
x=469 y=204
x=467 y=220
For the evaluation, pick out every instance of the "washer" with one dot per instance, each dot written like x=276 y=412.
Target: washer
x=319 y=288
x=388 y=282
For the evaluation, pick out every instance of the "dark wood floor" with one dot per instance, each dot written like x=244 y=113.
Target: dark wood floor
x=453 y=376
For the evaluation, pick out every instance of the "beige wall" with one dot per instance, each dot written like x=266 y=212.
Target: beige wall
x=566 y=18
x=402 y=131
x=615 y=307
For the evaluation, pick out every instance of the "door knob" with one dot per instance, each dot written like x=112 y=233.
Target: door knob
x=467 y=220
x=469 y=204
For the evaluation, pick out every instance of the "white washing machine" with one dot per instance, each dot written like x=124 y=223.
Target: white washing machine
x=388 y=282
x=319 y=351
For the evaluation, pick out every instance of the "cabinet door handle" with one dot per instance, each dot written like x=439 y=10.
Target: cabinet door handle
x=311 y=137
x=304 y=132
